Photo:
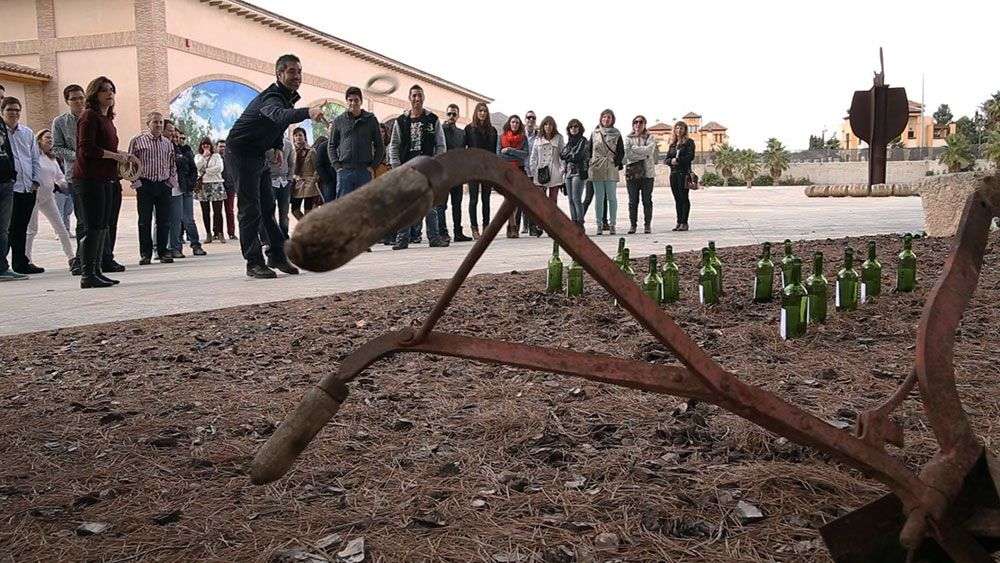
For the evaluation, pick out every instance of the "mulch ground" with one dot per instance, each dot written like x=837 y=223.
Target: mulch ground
x=142 y=431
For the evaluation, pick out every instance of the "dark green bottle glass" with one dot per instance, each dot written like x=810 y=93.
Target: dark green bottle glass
x=621 y=252
x=627 y=263
x=794 y=304
x=554 y=280
x=763 y=277
x=871 y=275
x=708 y=283
x=816 y=286
x=574 y=279
x=652 y=284
x=906 y=273
x=848 y=282
x=786 y=263
x=671 y=278
x=717 y=264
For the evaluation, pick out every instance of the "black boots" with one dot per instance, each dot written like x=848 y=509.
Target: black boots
x=91 y=258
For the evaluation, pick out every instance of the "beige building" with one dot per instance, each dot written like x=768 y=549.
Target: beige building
x=163 y=54
x=706 y=137
x=921 y=131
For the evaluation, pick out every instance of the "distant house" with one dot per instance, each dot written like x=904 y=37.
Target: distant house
x=918 y=133
x=706 y=137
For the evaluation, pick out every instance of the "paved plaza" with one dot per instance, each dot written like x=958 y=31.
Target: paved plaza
x=731 y=216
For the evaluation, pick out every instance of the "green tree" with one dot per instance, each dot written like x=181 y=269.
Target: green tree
x=776 y=158
x=815 y=142
x=957 y=155
x=747 y=166
x=833 y=143
x=943 y=115
x=991 y=112
x=896 y=143
x=725 y=160
x=966 y=128
x=991 y=148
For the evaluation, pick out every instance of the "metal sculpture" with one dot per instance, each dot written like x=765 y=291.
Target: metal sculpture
x=929 y=511
x=877 y=116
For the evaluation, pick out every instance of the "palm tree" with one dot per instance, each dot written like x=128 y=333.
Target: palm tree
x=775 y=158
x=725 y=161
x=747 y=165
x=957 y=154
x=991 y=148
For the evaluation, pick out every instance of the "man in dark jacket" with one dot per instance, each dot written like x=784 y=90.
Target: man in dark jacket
x=454 y=138
x=259 y=128
x=356 y=145
x=325 y=170
x=182 y=204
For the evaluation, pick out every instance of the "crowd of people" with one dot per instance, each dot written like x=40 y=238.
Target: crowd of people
x=75 y=169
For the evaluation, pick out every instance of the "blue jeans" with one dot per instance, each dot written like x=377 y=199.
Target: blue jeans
x=6 y=212
x=575 y=188
x=350 y=179
x=182 y=219
x=609 y=187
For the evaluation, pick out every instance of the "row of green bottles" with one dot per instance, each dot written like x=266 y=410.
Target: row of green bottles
x=554 y=275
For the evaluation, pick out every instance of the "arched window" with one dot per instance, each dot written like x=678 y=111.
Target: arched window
x=210 y=108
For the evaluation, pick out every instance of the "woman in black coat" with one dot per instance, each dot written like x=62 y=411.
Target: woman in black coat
x=679 y=159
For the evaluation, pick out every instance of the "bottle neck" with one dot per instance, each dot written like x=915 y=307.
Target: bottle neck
x=796 y=273
x=871 y=252
x=817 y=265
x=848 y=261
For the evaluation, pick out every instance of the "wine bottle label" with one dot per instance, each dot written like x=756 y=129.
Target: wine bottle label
x=701 y=293
x=782 y=278
x=808 y=304
x=864 y=292
x=836 y=297
x=784 y=326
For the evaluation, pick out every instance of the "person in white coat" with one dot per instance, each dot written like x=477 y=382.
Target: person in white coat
x=640 y=170
x=51 y=179
x=212 y=195
x=544 y=165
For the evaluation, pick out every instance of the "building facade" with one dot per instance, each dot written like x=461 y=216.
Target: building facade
x=706 y=137
x=197 y=59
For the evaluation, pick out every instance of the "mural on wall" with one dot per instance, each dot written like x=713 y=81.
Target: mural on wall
x=316 y=130
x=209 y=109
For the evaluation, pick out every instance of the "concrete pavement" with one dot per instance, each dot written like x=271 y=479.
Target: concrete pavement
x=730 y=216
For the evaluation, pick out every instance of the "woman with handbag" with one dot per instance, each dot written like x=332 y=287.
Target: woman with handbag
x=210 y=189
x=640 y=170
x=514 y=150
x=607 y=154
x=544 y=164
x=679 y=159
x=575 y=156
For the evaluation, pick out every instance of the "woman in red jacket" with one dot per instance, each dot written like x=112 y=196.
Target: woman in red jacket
x=96 y=174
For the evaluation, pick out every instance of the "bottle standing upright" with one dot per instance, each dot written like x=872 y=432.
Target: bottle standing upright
x=816 y=286
x=871 y=275
x=671 y=278
x=574 y=279
x=786 y=263
x=652 y=284
x=906 y=273
x=846 y=295
x=717 y=264
x=707 y=282
x=554 y=280
x=763 y=277
x=621 y=251
x=794 y=305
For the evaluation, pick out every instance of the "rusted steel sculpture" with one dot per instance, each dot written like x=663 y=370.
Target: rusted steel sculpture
x=877 y=116
x=950 y=507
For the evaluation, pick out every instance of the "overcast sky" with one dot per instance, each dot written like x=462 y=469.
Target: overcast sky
x=762 y=69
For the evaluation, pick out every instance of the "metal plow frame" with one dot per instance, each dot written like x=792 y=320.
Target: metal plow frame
x=926 y=503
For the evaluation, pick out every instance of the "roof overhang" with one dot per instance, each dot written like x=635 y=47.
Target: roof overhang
x=21 y=73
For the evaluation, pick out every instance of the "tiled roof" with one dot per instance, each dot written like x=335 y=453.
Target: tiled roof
x=712 y=126
x=16 y=69
x=660 y=126
x=691 y=115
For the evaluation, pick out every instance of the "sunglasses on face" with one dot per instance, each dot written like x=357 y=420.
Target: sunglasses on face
x=451 y=114
x=637 y=122
x=530 y=117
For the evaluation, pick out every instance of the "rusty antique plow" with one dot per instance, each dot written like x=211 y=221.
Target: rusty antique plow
x=949 y=511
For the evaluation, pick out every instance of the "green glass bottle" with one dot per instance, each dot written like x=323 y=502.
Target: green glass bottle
x=627 y=263
x=671 y=276
x=707 y=280
x=621 y=252
x=871 y=275
x=763 y=278
x=554 y=280
x=816 y=286
x=652 y=284
x=794 y=304
x=906 y=273
x=574 y=279
x=786 y=263
x=848 y=280
x=717 y=264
